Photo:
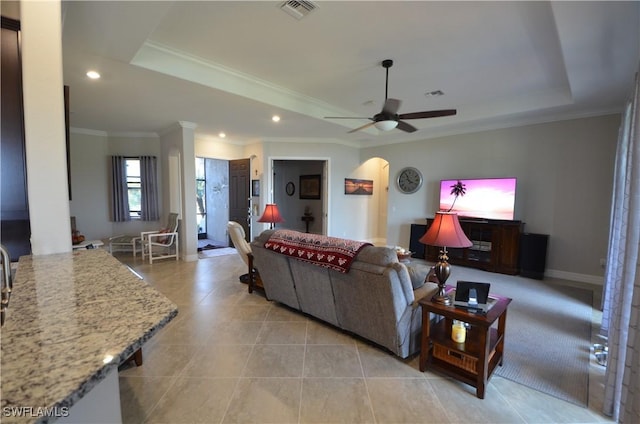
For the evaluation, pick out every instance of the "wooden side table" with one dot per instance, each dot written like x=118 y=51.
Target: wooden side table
x=473 y=361
x=254 y=276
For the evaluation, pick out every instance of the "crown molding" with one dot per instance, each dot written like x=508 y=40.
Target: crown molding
x=161 y=58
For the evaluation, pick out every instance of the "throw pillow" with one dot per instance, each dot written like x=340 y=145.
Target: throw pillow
x=163 y=239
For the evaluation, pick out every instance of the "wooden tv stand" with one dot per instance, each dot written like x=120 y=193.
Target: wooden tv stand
x=496 y=245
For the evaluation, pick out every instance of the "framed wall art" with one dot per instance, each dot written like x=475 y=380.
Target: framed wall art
x=255 y=188
x=354 y=186
x=310 y=186
x=290 y=188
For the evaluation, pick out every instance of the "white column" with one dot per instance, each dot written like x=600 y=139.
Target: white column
x=44 y=126
x=178 y=143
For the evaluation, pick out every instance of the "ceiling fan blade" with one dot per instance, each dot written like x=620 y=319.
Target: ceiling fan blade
x=367 y=125
x=428 y=114
x=346 y=117
x=406 y=127
x=391 y=106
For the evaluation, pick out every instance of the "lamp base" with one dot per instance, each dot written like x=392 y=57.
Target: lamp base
x=441 y=297
x=442 y=270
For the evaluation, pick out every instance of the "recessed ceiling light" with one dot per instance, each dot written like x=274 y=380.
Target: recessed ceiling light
x=93 y=74
x=222 y=135
x=275 y=118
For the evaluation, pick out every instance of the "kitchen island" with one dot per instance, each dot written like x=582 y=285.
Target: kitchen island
x=72 y=319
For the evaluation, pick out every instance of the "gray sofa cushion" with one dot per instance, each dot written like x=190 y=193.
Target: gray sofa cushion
x=381 y=256
x=418 y=273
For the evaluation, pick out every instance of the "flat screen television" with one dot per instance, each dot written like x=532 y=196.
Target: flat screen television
x=489 y=198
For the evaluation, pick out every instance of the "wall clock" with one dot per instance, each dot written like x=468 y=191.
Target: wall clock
x=290 y=188
x=409 y=180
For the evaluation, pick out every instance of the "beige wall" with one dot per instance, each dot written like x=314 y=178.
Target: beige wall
x=90 y=185
x=564 y=171
x=342 y=219
x=90 y=181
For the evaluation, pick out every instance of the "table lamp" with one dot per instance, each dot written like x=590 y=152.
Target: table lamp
x=271 y=214
x=445 y=231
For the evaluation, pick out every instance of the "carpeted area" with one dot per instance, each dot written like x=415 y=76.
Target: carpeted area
x=548 y=335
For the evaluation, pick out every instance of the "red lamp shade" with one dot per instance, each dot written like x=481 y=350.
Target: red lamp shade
x=445 y=231
x=271 y=214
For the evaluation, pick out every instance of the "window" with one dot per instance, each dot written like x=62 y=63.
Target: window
x=134 y=188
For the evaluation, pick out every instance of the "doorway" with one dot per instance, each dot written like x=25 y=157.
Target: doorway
x=299 y=190
x=212 y=202
x=240 y=194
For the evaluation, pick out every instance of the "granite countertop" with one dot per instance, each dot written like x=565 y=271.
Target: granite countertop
x=73 y=318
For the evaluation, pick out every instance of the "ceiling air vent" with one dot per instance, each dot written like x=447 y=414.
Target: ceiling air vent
x=298 y=8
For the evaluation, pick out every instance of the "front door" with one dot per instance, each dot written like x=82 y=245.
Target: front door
x=239 y=193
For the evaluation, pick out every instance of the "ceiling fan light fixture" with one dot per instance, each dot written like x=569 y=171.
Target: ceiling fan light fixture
x=386 y=125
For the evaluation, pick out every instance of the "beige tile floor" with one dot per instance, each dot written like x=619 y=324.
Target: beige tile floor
x=232 y=357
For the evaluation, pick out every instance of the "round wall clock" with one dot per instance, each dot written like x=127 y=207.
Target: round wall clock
x=409 y=180
x=291 y=188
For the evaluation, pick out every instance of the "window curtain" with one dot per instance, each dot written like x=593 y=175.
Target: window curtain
x=149 y=188
x=621 y=297
x=119 y=192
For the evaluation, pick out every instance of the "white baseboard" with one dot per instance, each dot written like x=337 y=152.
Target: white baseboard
x=190 y=258
x=573 y=276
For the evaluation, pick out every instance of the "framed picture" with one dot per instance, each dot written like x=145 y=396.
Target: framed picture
x=309 y=186
x=290 y=188
x=255 y=188
x=354 y=186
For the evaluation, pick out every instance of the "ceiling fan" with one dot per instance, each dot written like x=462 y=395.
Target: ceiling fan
x=389 y=118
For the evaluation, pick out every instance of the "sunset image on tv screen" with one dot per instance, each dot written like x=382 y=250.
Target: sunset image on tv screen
x=490 y=198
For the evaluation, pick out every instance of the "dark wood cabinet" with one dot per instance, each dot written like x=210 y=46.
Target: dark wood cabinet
x=15 y=228
x=496 y=246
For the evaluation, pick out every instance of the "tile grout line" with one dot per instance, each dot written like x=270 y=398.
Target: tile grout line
x=246 y=363
x=304 y=357
x=366 y=385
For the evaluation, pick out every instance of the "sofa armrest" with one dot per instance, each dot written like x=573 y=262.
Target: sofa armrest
x=427 y=290
x=405 y=281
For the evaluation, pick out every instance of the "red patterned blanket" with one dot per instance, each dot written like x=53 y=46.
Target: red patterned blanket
x=328 y=252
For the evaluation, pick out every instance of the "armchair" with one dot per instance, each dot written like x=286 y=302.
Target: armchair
x=161 y=244
x=125 y=242
x=237 y=234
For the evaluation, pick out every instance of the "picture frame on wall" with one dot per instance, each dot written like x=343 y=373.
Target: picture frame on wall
x=255 y=188
x=309 y=187
x=290 y=188
x=356 y=186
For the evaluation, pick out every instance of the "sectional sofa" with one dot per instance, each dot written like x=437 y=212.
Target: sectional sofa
x=376 y=298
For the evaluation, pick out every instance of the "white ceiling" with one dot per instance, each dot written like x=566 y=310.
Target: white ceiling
x=230 y=65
